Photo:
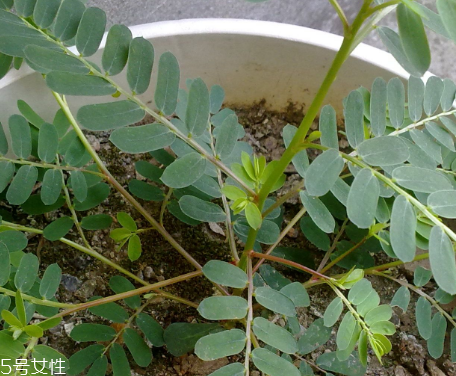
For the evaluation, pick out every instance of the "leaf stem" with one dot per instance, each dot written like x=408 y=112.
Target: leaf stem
x=291 y=193
x=341 y=15
x=248 y=327
x=345 y=254
x=165 y=204
x=333 y=246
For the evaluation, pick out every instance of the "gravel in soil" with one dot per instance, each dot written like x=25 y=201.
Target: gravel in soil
x=85 y=277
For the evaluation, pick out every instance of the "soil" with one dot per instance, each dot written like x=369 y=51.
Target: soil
x=85 y=277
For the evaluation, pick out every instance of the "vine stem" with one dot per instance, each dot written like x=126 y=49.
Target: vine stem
x=248 y=327
x=289 y=263
x=52 y=166
x=295 y=144
x=285 y=231
x=94 y=254
x=65 y=108
x=419 y=292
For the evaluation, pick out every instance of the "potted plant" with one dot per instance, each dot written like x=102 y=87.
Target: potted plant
x=108 y=175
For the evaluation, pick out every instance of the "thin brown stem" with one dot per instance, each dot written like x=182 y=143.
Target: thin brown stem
x=293 y=192
x=333 y=246
x=345 y=254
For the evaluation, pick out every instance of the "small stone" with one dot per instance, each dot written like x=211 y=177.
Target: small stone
x=149 y=272
x=293 y=233
x=94 y=142
x=68 y=328
x=87 y=289
x=433 y=369
x=215 y=227
x=270 y=143
x=400 y=371
x=70 y=283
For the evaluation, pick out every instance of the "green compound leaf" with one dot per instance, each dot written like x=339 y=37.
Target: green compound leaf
x=45 y=60
x=421 y=276
x=363 y=199
x=350 y=367
x=58 y=229
x=96 y=222
x=378 y=107
x=90 y=31
x=21 y=138
x=6 y=174
x=119 y=285
x=447 y=12
x=421 y=179
x=318 y=212
x=274 y=336
x=142 y=139
x=413 y=38
x=141 y=353
x=168 y=80
x=443 y=203
x=233 y=369
x=50 y=281
x=140 y=62
x=201 y=210
x=396 y=102
x=48 y=143
x=354 y=118
x=95 y=196
x=5 y=266
x=401 y=298
x=223 y=308
x=180 y=338
x=227 y=137
x=415 y=98
x=323 y=173
x=110 y=311
x=402 y=229
x=134 y=248
x=26 y=273
x=384 y=151
x=275 y=301
x=22 y=185
x=436 y=342
x=272 y=364
x=441 y=257
x=432 y=94
x=78 y=84
x=115 y=54
x=328 y=127
x=119 y=361
x=297 y=294
x=92 y=332
x=184 y=171
x=151 y=328
x=219 y=345
x=51 y=186
x=14 y=241
x=333 y=312
x=198 y=108
x=78 y=185
x=225 y=274
x=107 y=116
x=423 y=313
x=67 y=20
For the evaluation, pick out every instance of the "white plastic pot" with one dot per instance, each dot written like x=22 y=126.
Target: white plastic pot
x=251 y=60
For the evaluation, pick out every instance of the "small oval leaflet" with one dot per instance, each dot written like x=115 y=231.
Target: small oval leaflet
x=92 y=332
x=401 y=298
x=432 y=94
x=45 y=12
x=436 y=342
x=354 y=118
x=225 y=274
x=421 y=276
x=151 y=328
x=78 y=84
x=201 y=210
x=58 y=229
x=142 y=139
x=402 y=229
x=378 y=107
x=141 y=353
x=51 y=186
x=223 y=308
x=275 y=301
x=184 y=171
x=443 y=203
x=21 y=138
x=272 y=364
x=233 y=369
x=26 y=273
x=421 y=179
x=90 y=31
x=140 y=62
x=198 y=108
x=396 y=101
x=384 y=151
x=297 y=294
x=22 y=185
x=5 y=266
x=415 y=97
x=50 y=281
x=333 y=312
x=168 y=78
x=423 y=313
x=218 y=345
x=7 y=170
x=48 y=142
x=441 y=257
x=379 y=314
x=441 y=135
x=67 y=20
x=107 y=116
x=79 y=185
x=323 y=172
x=318 y=212
x=115 y=54
x=363 y=199
x=274 y=335
x=328 y=127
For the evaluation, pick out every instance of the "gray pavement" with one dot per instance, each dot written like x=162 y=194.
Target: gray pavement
x=316 y=14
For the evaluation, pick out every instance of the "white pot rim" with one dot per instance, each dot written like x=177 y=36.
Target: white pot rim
x=265 y=29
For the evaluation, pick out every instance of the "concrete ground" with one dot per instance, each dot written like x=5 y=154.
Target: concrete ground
x=317 y=14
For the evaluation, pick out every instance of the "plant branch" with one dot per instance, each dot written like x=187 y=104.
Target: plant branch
x=333 y=246
x=248 y=327
x=291 y=193
x=341 y=15
x=345 y=254
x=165 y=204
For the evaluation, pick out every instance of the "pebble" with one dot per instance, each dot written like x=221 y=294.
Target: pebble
x=70 y=283
x=149 y=272
x=68 y=328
